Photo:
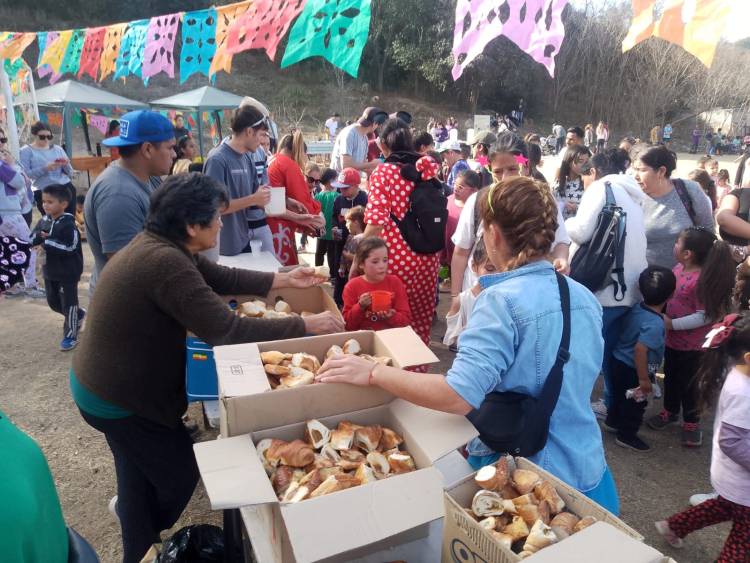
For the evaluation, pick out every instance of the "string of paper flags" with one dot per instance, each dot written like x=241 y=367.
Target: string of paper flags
x=210 y=38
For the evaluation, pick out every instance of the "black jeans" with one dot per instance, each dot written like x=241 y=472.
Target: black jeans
x=156 y=476
x=62 y=297
x=71 y=204
x=624 y=414
x=327 y=249
x=680 y=369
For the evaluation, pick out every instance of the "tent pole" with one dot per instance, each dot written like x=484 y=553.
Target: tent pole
x=32 y=91
x=67 y=131
x=200 y=132
x=85 y=124
x=10 y=111
x=217 y=115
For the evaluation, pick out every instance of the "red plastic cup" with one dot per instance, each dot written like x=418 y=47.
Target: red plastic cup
x=381 y=301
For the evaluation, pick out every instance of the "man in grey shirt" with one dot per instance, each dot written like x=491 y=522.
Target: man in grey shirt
x=350 y=146
x=231 y=164
x=118 y=201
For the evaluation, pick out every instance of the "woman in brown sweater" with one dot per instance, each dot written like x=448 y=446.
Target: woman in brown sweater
x=128 y=376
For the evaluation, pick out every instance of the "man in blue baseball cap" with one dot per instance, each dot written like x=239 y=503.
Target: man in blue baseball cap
x=117 y=203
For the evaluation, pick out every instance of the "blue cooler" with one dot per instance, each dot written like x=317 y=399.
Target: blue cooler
x=200 y=371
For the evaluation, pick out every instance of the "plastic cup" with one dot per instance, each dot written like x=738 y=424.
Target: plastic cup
x=381 y=301
x=256 y=246
x=277 y=205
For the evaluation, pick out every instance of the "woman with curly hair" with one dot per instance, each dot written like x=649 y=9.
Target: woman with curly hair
x=512 y=341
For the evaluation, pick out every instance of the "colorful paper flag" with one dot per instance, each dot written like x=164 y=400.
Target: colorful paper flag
x=158 y=54
x=100 y=122
x=111 y=50
x=534 y=25
x=72 y=59
x=337 y=32
x=225 y=17
x=13 y=46
x=91 y=55
x=263 y=26
x=55 y=50
x=15 y=69
x=198 y=43
x=130 y=58
x=695 y=26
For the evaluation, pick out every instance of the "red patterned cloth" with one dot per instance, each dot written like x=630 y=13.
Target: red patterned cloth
x=389 y=193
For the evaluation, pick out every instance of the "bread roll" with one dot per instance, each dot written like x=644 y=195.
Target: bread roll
x=296 y=454
x=401 y=463
x=525 y=480
x=277 y=370
x=351 y=346
x=584 y=523
x=488 y=478
x=517 y=529
x=282 y=307
x=334 y=351
x=306 y=361
x=368 y=438
x=487 y=503
x=546 y=491
x=351 y=459
x=389 y=440
x=316 y=434
x=539 y=537
x=272 y=357
x=563 y=524
x=379 y=463
x=341 y=439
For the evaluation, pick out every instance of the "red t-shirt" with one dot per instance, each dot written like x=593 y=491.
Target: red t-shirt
x=358 y=319
x=685 y=302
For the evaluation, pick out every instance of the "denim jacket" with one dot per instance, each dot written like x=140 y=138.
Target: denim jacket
x=511 y=343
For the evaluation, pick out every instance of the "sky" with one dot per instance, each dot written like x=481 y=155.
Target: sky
x=739 y=21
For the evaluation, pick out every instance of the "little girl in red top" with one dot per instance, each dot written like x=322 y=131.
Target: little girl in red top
x=359 y=312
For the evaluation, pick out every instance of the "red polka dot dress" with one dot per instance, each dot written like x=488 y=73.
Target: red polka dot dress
x=389 y=193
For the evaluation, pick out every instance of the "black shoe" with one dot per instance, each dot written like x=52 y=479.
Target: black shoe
x=608 y=427
x=632 y=443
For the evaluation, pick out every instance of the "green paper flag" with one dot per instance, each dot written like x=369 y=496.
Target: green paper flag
x=72 y=59
x=337 y=31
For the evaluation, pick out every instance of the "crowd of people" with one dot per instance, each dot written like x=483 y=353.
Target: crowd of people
x=395 y=211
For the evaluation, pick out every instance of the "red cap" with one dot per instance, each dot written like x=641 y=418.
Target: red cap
x=347 y=177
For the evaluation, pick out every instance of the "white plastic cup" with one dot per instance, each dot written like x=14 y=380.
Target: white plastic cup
x=255 y=246
x=277 y=205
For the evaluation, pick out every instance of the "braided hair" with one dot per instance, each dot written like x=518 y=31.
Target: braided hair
x=526 y=213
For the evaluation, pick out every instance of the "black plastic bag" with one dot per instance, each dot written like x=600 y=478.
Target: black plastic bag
x=194 y=544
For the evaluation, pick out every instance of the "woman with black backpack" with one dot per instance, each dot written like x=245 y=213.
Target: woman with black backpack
x=517 y=352
x=390 y=197
x=607 y=168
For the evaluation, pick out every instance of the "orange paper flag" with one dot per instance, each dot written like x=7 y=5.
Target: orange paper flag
x=694 y=25
x=14 y=46
x=112 y=40
x=55 y=51
x=225 y=17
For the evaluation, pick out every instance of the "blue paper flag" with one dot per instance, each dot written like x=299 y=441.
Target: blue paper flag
x=130 y=58
x=198 y=43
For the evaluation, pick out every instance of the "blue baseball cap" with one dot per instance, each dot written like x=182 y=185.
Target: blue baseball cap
x=142 y=126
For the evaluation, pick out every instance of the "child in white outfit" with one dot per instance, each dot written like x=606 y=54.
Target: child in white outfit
x=481 y=265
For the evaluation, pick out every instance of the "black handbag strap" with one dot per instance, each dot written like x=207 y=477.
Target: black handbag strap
x=619 y=285
x=552 y=386
x=682 y=191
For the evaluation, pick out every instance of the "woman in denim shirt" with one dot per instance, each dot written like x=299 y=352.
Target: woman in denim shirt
x=511 y=343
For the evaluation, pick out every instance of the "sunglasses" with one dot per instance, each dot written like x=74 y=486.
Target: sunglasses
x=312 y=180
x=3 y=140
x=47 y=137
x=262 y=121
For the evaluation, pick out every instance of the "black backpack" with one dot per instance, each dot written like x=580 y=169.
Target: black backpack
x=423 y=226
x=600 y=262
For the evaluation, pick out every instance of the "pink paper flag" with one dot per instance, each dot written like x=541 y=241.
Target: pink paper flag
x=100 y=122
x=534 y=25
x=159 y=53
x=263 y=26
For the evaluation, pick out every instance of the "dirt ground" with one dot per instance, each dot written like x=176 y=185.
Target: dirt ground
x=34 y=394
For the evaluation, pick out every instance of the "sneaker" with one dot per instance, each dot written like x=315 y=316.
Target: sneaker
x=67 y=344
x=666 y=532
x=608 y=427
x=692 y=435
x=656 y=390
x=81 y=316
x=112 y=507
x=16 y=291
x=662 y=420
x=35 y=293
x=633 y=443
x=700 y=498
x=600 y=409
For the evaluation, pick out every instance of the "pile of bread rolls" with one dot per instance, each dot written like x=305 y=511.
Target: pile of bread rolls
x=521 y=510
x=287 y=371
x=328 y=460
x=279 y=310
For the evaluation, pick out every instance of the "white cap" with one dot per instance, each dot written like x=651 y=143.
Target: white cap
x=453 y=145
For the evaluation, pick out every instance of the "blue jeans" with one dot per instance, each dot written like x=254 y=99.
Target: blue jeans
x=604 y=494
x=611 y=325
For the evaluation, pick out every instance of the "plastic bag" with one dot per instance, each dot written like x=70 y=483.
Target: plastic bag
x=194 y=544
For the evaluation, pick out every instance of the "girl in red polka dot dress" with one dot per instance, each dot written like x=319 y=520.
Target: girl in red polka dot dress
x=389 y=194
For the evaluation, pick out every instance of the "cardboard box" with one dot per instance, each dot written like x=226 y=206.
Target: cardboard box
x=465 y=540
x=346 y=523
x=311 y=299
x=241 y=372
